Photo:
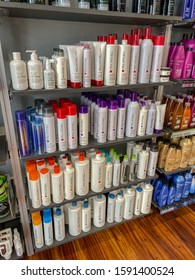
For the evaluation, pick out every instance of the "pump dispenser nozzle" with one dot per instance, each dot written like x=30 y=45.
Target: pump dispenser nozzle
x=33 y=55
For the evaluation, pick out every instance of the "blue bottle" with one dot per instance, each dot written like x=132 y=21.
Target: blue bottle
x=179 y=184
x=192 y=187
x=163 y=194
x=171 y=195
x=168 y=177
x=157 y=188
x=188 y=180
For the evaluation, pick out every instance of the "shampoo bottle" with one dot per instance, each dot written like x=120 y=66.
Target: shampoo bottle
x=35 y=71
x=82 y=175
x=192 y=153
x=18 y=72
x=179 y=184
x=177 y=115
x=111 y=207
x=129 y=196
x=74 y=218
x=99 y=210
x=170 y=158
x=188 y=181
x=158 y=42
x=119 y=208
x=59 y=227
x=177 y=158
x=188 y=64
x=163 y=194
x=49 y=75
x=147 y=198
x=142 y=163
x=98 y=173
x=86 y=216
x=110 y=62
x=186 y=146
x=178 y=62
x=171 y=195
x=186 y=116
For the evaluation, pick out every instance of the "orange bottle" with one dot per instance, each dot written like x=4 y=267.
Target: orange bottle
x=186 y=116
x=177 y=115
x=172 y=105
x=165 y=99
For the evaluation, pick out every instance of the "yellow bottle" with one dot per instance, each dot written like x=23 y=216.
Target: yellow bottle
x=192 y=153
x=177 y=158
x=160 y=143
x=163 y=154
x=170 y=158
x=177 y=115
x=186 y=146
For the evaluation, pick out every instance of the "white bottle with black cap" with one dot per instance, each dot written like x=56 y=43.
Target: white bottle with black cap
x=143 y=157
x=119 y=208
x=111 y=207
x=86 y=216
x=18 y=72
x=49 y=128
x=74 y=218
x=99 y=210
x=138 y=200
x=153 y=158
x=147 y=198
x=129 y=196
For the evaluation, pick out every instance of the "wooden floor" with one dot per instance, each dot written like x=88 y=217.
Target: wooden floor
x=155 y=237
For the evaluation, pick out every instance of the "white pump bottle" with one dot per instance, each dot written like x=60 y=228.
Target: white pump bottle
x=35 y=71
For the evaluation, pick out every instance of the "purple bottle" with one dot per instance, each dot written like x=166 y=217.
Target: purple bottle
x=188 y=64
x=23 y=133
x=178 y=62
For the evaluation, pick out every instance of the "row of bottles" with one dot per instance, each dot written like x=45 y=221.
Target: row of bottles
x=174 y=188
x=50 y=180
x=10 y=241
x=180 y=111
x=176 y=153
x=181 y=58
x=79 y=216
x=137 y=59
x=126 y=113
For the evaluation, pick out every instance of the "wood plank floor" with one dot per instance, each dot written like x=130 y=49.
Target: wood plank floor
x=155 y=237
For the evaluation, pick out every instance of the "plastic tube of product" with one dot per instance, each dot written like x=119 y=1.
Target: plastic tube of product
x=99 y=50
x=75 y=55
x=87 y=66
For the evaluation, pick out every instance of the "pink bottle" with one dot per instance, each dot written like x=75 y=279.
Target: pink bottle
x=192 y=118
x=190 y=43
x=188 y=64
x=178 y=62
x=171 y=55
x=193 y=71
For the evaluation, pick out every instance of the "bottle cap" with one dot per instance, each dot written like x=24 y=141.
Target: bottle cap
x=98 y=83
x=147 y=33
x=58 y=211
x=139 y=189
x=61 y=113
x=178 y=148
x=154 y=147
x=20 y=115
x=40 y=163
x=134 y=97
x=44 y=170
x=121 y=102
x=103 y=104
x=56 y=169
x=134 y=41
x=47 y=215
x=111 y=195
x=71 y=109
x=110 y=40
x=81 y=157
x=85 y=204
x=34 y=175
x=51 y=161
x=83 y=109
x=125 y=37
x=74 y=203
x=104 y=38
x=16 y=55
x=30 y=167
x=158 y=40
x=36 y=218
x=113 y=104
x=47 y=110
x=99 y=196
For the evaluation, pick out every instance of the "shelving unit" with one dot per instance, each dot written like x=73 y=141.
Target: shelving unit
x=93 y=230
x=91 y=193
x=162 y=171
x=45 y=13
x=183 y=202
x=185 y=83
x=94 y=144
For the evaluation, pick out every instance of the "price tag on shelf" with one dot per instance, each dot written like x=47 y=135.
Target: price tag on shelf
x=183 y=133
